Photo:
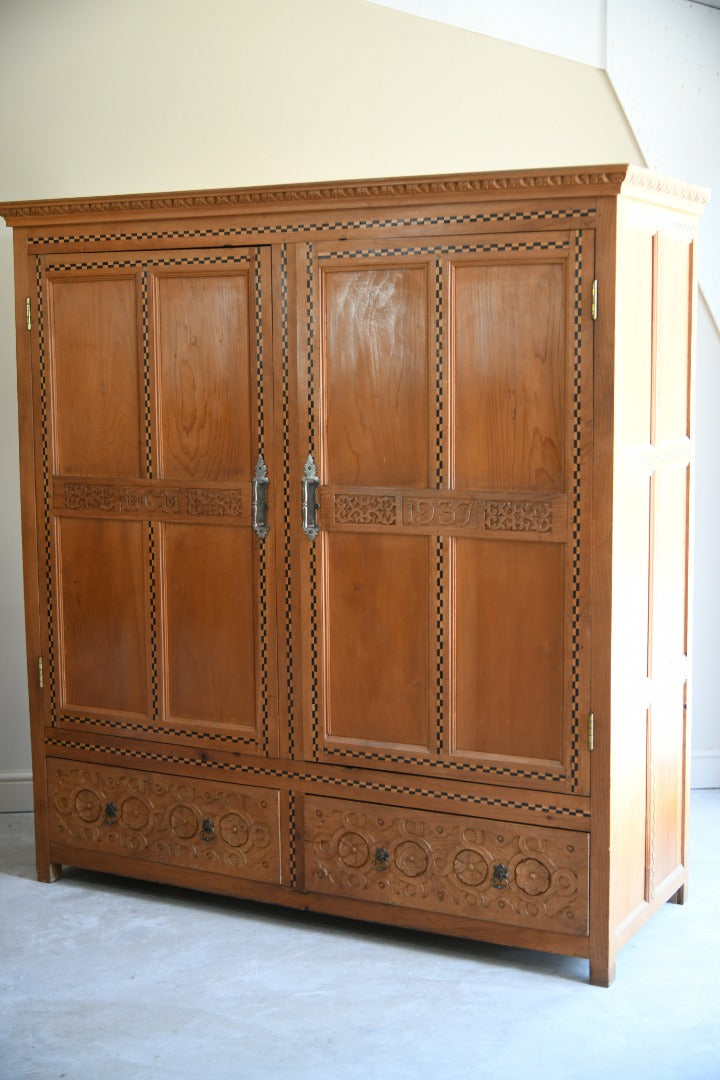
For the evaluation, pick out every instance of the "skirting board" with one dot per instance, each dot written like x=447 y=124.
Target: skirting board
x=705 y=769
x=16 y=787
x=16 y=793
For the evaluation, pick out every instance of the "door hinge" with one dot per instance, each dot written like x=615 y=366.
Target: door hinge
x=41 y=675
x=28 y=313
x=593 y=309
x=591 y=732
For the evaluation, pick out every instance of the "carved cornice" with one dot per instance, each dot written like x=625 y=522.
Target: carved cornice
x=356 y=191
x=610 y=180
x=666 y=186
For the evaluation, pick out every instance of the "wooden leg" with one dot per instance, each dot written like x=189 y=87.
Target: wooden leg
x=49 y=871
x=602 y=973
x=680 y=896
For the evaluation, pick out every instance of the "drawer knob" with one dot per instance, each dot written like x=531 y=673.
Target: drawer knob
x=500 y=876
x=381 y=858
x=207 y=830
x=111 y=813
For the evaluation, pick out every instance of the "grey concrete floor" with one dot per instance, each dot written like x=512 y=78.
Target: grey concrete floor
x=105 y=977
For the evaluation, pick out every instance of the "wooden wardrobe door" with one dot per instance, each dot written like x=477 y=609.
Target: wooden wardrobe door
x=154 y=407
x=449 y=391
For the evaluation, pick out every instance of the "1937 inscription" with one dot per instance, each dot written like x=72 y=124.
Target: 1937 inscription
x=442 y=512
x=463 y=512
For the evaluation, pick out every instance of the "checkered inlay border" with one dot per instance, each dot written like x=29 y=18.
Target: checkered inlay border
x=314 y=227
x=236 y=258
x=46 y=486
x=575 y=523
x=440 y=642
x=472 y=797
x=439 y=377
x=310 y=326
x=263 y=634
x=287 y=547
x=489 y=247
x=259 y=360
x=292 y=848
x=147 y=398
x=152 y=593
x=262 y=549
x=314 y=656
x=310 y=301
x=107 y=724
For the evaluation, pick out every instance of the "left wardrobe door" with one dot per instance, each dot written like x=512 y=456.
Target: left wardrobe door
x=155 y=507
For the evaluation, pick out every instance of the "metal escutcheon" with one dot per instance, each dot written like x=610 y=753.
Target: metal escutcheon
x=259 y=499
x=310 y=482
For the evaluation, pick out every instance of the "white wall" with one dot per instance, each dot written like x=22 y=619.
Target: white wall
x=574 y=29
x=126 y=95
x=15 y=775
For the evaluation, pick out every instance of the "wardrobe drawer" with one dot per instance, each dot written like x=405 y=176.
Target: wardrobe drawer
x=471 y=867
x=197 y=824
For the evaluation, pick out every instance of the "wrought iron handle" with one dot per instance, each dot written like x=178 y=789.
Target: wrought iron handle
x=381 y=859
x=111 y=813
x=259 y=499
x=310 y=482
x=500 y=876
x=207 y=830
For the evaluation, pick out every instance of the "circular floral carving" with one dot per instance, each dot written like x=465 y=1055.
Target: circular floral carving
x=470 y=867
x=352 y=849
x=234 y=830
x=135 y=813
x=183 y=822
x=532 y=877
x=87 y=805
x=410 y=859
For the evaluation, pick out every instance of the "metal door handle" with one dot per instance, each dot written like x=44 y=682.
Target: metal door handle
x=310 y=482
x=259 y=499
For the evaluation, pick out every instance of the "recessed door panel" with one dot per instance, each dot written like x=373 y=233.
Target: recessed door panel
x=102 y=617
x=95 y=374
x=204 y=327
x=669 y=566
x=508 y=376
x=209 y=625
x=376 y=378
x=377 y=639
x=508 y=666
x=674 y=274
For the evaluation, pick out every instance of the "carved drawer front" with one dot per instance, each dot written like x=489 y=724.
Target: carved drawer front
x=166 y=819
x=471 y=867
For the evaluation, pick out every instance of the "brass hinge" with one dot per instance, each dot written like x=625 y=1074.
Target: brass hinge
x=41 y=676
x=28 y=314
x=593 y=309
x=591 y=732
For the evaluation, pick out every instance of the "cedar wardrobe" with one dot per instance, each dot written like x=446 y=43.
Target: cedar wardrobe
x=357 y=545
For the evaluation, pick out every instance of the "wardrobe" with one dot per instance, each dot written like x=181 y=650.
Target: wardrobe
x=357 y=532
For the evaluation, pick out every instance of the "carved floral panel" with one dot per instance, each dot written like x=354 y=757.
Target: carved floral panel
x=167 y=819
x=491 y=870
